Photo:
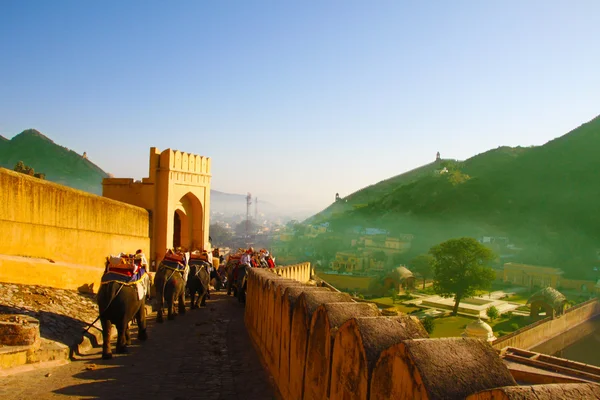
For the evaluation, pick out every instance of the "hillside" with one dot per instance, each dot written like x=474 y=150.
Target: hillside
x=374 y=192
x=60 y=164
x=544 y=198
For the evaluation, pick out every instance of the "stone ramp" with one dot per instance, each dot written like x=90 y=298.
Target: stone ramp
x=204 y=354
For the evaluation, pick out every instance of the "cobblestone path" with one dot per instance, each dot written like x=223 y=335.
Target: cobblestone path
x=204 y=354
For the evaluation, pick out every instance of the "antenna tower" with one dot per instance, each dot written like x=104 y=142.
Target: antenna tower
x=256 y=209
x=248 y=204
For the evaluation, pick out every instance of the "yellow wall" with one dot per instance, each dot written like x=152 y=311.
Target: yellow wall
x=544 y=330
x=46 y=220
x=536 y=276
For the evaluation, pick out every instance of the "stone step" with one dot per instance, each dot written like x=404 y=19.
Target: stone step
x=46 y=351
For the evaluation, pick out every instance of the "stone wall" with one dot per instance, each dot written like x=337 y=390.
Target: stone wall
x=544 y=330
x=58 y=236
x=318 y=343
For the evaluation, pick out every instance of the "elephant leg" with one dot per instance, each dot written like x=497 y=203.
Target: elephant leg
x=159 y=304
x=106 y=328
x=204 y=294
x=181 y=303
x=127 y=336
x=192 y=298
x=140 y=318
x=121 y=336
x=171 y=307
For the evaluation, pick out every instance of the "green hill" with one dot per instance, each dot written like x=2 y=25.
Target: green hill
x=369 y=194
x=60 y=164
x=543 y=198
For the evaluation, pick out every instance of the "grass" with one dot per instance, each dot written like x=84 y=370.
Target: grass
x=503 y=326
x=450 y=326
x=455 y=326
x=396 y=306
x=347 y=282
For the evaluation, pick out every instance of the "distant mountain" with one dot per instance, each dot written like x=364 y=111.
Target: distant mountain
x=544 y=197
x=60 y=164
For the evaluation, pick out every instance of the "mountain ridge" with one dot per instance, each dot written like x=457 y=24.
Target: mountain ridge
x=544 y=197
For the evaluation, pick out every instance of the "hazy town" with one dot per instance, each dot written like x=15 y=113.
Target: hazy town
x=267 y=201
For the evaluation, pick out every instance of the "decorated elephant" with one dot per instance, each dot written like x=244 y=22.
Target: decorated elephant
x=236 y=279
x=170 y=283
x=121 y=298
x=198 y=281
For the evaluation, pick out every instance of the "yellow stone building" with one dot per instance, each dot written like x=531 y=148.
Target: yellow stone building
x=537 y=276
x=177 y=196
x=389 y=245
x=532 y=275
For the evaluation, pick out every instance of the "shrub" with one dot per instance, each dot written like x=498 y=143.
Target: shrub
x=514 y=326
x=492 y=313
x=429 y=324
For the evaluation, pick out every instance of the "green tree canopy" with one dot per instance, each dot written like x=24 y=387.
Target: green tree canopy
x=27 y=170
x=220 y=235
x=460 y=268
x=423 y=265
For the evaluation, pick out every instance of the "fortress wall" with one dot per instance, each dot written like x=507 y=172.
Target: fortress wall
x=68 y=231
x=538 y=333
x=541 y=392
x=320 y=344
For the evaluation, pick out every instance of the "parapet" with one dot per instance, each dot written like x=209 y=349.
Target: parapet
x=175 y=160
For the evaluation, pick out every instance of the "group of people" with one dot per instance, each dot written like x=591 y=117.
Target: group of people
x=259 y=259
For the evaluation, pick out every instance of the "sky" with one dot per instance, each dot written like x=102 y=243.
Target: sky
x=295 y=101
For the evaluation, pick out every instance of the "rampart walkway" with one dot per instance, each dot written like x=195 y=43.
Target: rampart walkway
x=204 y=354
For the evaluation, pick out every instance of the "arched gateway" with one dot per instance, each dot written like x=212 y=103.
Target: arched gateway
x=177 y=196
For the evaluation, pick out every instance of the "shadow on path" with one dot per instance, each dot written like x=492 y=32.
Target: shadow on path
x=204 y=354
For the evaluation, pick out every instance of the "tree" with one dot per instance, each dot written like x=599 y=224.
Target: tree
x=376 y=286
x=379 y=256
x=394 y=295
x=429 y=324
x=492 y=312
x=240 y=228
x=27 y=170
x=19 y=167
x=423 y=264
x=220 y=235
x=459 y=268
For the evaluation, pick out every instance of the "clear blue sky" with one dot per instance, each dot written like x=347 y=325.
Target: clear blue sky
x=297 y=100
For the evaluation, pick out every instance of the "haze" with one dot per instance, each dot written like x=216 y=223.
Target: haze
x=297 y=101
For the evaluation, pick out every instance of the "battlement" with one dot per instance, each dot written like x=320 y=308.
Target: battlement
x=178 y=161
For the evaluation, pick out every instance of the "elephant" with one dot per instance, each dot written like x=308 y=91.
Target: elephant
x=236 y=279
x=197 y=282
x=169 y=283
x=240 y=283
x=118 y=305
x=230 y=270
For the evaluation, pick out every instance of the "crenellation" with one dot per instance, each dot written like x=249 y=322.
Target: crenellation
x=185 y=162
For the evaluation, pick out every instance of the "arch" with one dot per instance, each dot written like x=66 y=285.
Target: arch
x=181 y=229
x=195 y=213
